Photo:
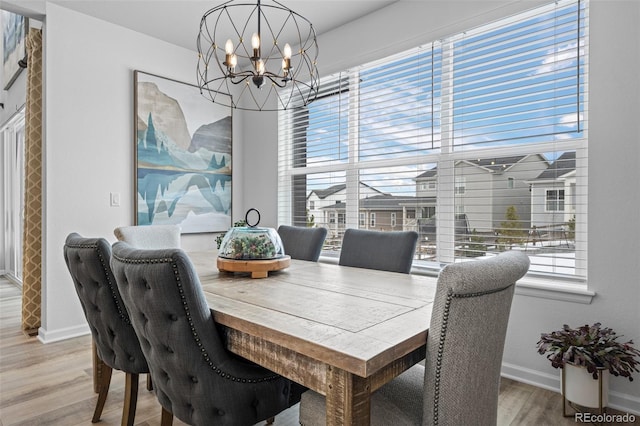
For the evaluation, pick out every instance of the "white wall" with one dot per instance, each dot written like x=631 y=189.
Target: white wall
x=89 y=145
x=614 y=155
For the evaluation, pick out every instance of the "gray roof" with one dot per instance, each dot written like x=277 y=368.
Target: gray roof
x=324 y=193
x=494 y=164
x=386 y=202
x=564 y=164
x=497 y=164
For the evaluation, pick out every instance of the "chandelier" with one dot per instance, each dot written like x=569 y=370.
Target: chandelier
x=262 y=54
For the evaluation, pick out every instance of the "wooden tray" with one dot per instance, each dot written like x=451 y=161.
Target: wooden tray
x=258 y=268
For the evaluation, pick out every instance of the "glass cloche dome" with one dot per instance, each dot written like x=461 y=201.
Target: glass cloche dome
x=251 y=243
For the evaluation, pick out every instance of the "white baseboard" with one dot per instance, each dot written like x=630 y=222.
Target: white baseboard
x=617 y=400
x=66 y=333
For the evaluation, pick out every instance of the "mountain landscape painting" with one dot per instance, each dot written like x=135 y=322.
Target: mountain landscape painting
x=183 y=156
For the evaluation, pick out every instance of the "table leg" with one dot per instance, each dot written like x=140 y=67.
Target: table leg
x=348 y=398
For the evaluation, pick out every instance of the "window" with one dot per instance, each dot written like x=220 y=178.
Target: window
x=476 y=127
x=393 y=219
x=460 y=185
x=12 y=157
x=555 y=200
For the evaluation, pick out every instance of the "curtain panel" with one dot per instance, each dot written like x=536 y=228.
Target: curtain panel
x=32 y=239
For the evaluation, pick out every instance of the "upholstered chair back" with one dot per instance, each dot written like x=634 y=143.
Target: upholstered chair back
x=195 y=377
x=466 y=339
x=302 y=243
x=116 y=342
x=387 y=251
x=149 y=236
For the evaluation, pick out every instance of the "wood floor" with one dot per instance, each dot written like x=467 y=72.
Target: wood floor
x=52 y=384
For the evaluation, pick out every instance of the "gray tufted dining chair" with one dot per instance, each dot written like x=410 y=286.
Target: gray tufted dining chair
x=387 y=251
x=302 y=243
x=460 y=382
x=149 y=236
x=196 y=379
x=114 y=338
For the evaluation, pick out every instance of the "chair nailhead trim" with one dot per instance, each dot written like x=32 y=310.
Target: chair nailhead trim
x=443 y=334
x=205 y=355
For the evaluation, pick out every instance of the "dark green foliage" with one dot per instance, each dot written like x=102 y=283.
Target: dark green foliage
x=511 y=230
x=592 y=347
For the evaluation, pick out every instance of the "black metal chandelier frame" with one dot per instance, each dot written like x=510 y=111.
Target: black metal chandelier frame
x=265 y=75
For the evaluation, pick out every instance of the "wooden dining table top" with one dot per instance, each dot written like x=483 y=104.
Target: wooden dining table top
x=322 y=324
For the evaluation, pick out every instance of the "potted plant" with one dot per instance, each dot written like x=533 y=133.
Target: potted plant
x=588 y=352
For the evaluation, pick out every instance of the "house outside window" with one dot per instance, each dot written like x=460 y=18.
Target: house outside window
x=481 y=112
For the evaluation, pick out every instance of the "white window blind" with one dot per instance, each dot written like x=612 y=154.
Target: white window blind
x=477 y=141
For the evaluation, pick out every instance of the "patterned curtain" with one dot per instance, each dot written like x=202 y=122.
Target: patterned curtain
x=32 y=238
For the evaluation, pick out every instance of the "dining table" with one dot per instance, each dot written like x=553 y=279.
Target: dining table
x=341 y=331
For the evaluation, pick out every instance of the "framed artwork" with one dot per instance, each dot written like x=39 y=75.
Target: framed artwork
x=14 y=44
x=182 y=156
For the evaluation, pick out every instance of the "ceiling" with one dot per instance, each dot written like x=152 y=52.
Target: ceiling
x=178 y=21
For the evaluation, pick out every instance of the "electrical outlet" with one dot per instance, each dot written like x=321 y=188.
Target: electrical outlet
x=115 y=199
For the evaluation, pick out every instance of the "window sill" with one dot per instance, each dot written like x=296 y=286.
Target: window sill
x=555 y=289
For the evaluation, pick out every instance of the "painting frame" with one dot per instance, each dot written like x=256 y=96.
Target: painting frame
x=14 y=42
x=182 y=156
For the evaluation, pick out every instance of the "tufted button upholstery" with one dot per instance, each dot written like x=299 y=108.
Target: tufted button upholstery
x=195 y=377
x=88 y=261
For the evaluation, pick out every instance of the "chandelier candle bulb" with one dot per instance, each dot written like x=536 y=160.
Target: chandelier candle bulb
x=228 y=49
x=286 y=61
x=255 y=45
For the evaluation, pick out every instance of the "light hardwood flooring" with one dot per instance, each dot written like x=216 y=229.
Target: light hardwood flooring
x=52 y=384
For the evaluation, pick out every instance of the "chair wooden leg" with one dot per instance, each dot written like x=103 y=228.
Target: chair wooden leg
x=103 y=391
x=270 y=420
x=149 y=383
x=130 y=399
x=98 y=365
x=166 y=419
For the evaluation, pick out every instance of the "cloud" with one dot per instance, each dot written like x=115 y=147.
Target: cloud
x=560 y=58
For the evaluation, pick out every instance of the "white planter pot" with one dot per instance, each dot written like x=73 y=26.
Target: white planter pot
x=579 y=386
